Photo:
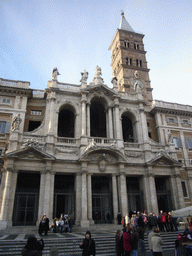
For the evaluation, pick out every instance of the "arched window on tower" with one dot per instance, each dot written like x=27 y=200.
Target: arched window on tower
x=66 y=122
x=136 y=46
x=126 y=44
x=128 y=61
x=98 y=119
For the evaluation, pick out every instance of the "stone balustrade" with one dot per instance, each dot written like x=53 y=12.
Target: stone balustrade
x=12 y=83
x=131 y=145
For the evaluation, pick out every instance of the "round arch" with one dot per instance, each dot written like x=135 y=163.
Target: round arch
x=66 y=121
x=98 y=118
x=129 y=127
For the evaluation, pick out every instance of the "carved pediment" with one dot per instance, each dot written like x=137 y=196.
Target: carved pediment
x=163 y=159
x=29 y=153
x=101 y=90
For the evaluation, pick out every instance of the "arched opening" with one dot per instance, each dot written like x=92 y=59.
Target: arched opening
x=97 y=119
x=66 y=123
x=127 y=127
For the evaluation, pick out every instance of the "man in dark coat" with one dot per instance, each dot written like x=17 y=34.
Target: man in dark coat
x=43 y=225
x=88 y=245
x=119 y=218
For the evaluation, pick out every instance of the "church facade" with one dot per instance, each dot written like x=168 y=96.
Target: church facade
x=91 y=150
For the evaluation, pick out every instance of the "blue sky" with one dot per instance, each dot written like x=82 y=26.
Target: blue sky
x=74 y=35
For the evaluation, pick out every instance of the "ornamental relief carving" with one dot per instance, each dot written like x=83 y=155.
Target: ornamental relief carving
x=97 y=158
x=66 y=150
x=135 y=155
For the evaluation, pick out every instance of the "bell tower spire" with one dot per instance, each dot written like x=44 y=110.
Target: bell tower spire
x=128 y=60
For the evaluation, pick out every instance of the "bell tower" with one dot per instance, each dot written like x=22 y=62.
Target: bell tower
x=128 y=61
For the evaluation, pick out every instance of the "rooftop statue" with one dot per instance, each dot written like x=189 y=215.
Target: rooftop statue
x=97 y=77
x=55 y=73
x=84 y=77
x=114 y=82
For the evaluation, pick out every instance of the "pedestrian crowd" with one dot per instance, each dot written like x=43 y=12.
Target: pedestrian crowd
x=130 y=241
x=62 y=224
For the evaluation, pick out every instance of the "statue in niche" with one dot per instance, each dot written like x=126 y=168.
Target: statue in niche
x=169 y=140
x=16 y=123
x=84 y=77
x=55 y=73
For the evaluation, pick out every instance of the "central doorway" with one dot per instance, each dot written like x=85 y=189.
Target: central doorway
x=64 y=196
x=102 y=199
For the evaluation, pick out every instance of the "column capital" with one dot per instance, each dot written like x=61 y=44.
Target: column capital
x=176 y=175
x=48 y=172
x=13 y=170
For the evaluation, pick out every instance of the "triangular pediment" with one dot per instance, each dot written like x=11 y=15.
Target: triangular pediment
x=163 y=159
x=101 y=89
x=30 y=154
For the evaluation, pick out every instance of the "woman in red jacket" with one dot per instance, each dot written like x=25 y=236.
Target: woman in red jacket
x=127 y=241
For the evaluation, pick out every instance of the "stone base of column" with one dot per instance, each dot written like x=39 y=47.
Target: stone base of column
x=84 y=224
x=91 y=222
x=3 y=224
x=115 y=221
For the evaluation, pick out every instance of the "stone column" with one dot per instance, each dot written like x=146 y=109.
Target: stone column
x=83 y=117
x=117 y=120
x=84 y=220
x=185 y=153
x=46 y=195
x=51 y=125
x=147 y=195
x=143 y=124
x=153 y=194
x=110 y=123
x=123 y=193
x=78 y=198
x=8 y=197
x=159 y=128
x=174 y=194
x=89 y=199
x=115 y=198
x=180 y=198
x=88 y=119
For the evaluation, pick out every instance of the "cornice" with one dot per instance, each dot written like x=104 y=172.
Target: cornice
x=171 y=111
x=16 y=90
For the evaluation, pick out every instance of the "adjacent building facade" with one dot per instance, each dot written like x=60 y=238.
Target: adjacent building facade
x=91 y=150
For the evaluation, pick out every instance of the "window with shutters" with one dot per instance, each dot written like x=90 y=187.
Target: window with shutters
x=171 y=120
x=5 y=126
x=184 y=187
x=188 y=142
x=6 y=101
x=185 y=122
x=177 y=142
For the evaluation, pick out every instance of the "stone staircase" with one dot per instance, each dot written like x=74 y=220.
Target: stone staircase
x=105 y=245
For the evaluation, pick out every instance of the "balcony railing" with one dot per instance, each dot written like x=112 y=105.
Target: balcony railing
x=66 y=140
x=103 y=141
x=131 y=145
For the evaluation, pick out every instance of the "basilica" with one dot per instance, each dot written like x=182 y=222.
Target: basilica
x=91 y=149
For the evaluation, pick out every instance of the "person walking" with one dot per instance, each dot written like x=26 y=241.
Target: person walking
x=127 y=241
x=150 y=235
x=156 y=243
x=88 y=245
x=134 y=242
x=119 y=243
